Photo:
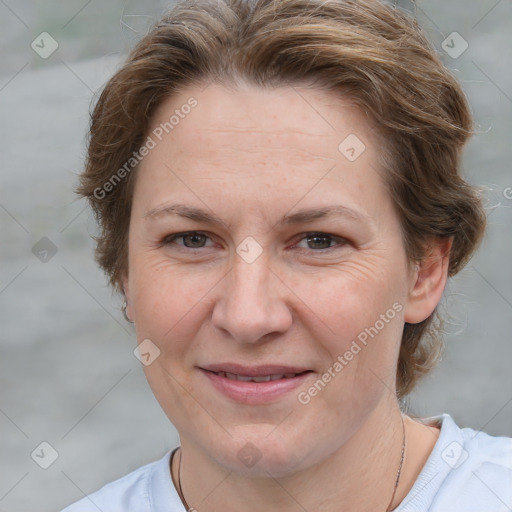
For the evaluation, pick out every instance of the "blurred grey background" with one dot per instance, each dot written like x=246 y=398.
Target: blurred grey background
x=67 y=370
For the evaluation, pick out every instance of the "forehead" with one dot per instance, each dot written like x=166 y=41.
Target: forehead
x=227 y=146
x=241 y=117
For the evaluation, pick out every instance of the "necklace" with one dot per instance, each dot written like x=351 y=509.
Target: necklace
x=398 y=473
x=400 y=465
x=189 y=508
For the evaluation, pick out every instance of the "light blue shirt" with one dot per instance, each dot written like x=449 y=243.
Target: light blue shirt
x=467 y=471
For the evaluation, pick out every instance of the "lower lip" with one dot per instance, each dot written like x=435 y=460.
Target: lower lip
x=255 y=393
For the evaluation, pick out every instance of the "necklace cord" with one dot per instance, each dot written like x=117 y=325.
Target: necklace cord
x=399 y=472
x=179 y=486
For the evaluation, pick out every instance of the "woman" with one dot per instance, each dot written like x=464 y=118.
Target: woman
x=277 y=186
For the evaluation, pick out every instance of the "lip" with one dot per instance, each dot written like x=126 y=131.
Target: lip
x=255 y=393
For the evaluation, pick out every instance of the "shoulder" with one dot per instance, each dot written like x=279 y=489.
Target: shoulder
x=467 y=471
x=481 y=471
x=137 y=491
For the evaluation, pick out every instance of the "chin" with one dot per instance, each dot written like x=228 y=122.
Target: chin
x=258 y=454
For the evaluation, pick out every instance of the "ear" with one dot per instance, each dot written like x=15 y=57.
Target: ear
x=428 y=281
x=126 y=290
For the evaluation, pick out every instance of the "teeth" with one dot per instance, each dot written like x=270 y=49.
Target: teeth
x=265 y=378
x=242 y=378
x=261 y=378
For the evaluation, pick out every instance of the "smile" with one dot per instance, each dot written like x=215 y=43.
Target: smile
x=255 y=385
x=261 y=378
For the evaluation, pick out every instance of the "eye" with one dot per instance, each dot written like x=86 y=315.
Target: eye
x=322 y=241
x=197 y=240
x=191 y=239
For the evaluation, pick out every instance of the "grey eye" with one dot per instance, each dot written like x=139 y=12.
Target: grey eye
x=319 y=241
x=196 y=240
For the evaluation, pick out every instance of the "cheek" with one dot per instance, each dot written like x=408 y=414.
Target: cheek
x=169 y=307
x=352 y=296
x=169 y=300
x=356 y=317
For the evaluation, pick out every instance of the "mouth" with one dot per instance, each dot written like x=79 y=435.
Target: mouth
x=255 y=384
x=259 y=378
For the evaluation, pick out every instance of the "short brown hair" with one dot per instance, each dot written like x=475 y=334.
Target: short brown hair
x=370 y=52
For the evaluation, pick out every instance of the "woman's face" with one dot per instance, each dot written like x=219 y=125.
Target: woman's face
x=292 y=269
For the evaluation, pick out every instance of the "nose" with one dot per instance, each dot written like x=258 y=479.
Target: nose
x=252 y=302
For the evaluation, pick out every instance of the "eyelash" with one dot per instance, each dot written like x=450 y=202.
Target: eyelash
x=169 y=239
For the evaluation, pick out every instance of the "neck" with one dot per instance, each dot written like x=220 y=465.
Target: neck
x=359 y=476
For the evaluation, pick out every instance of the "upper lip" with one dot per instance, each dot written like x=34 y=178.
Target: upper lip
x=254 y=371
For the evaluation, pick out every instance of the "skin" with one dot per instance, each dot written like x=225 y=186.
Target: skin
x=250 y=156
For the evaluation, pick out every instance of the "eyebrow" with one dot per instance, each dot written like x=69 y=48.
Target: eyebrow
x=300 y=217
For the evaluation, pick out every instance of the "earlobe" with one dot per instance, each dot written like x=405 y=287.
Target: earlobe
x=428 y=281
